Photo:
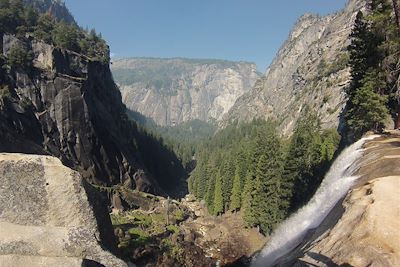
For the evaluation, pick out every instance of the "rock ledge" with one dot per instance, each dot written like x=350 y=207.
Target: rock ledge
x=45 y=216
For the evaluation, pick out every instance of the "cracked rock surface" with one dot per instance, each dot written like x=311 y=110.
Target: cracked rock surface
x=46 y=218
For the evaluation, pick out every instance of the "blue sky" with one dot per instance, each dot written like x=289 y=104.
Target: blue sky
x=249 y=30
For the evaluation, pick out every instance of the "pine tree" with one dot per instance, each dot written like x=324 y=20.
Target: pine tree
x=331 y=139
x=190 y=184
x=201 y=175
x=236 y=191
x=247 y=212
x=66 y=36
x=396 y=12
x=266 y=196
x=299 y=180
x=44 y=28
x=227 y=173
x=369 y=111
x=210 y=194
x=273 y=208
x=259 y=195
x=10 y=17
x=385 y=29
x=242 y=161
x=374 y=53
x=218 y=198
x=20 y=56
x=361 y=51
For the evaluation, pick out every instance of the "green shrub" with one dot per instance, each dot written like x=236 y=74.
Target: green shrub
x=326 y=69
x=4 y=91
x=118 y=219
x=174 y=229
x=66 y=36
x=174 y=250
x=19 y=56
x=179 y=215
x=139 y=237
x=44 y=28
x=141 y=219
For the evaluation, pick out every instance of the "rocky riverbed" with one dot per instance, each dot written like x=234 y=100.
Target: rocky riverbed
x=164 y=232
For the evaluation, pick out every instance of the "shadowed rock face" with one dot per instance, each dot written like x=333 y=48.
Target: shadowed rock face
x=46 y=218
x=310 y=70
x=68 y=106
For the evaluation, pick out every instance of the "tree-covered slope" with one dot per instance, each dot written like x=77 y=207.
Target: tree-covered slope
x=249 y=167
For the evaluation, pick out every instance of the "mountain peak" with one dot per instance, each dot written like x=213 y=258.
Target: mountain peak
x=310 y=70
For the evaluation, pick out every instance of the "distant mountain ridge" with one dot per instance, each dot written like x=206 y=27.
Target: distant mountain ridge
x=176 y=90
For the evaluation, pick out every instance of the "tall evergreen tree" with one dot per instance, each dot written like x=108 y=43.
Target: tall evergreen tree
x=210 y=195
x=386 y=30
x=396 y=11
x=247 y=212
x=20 y=56
x=236 y=191
x=44 y=28
x=218 y=198
x=227 y=173
x=266 y=196
x=369 y=109
x=299 y=180
x=374 y=53
x=66 y=36
x=259 y=196
x=360 y=50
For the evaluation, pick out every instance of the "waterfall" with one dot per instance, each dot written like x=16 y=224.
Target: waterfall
x=335 y=185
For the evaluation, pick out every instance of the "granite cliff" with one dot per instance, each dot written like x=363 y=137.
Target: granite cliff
x=310 y=70
x=68 y=106
x=176 y=90
x=62 y=105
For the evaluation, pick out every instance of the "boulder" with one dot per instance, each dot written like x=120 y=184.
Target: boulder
x=48 y=216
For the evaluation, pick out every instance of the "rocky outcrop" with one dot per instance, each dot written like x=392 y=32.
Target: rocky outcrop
x=56 y=8
x=172 y=91
x=47 y=217
x=68 y=106
x=362 y=230
x=309 y=70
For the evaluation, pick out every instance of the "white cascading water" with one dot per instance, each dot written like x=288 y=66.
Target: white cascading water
x=335 y=185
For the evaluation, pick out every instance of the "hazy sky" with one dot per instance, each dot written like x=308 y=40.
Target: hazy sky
x=249 y=30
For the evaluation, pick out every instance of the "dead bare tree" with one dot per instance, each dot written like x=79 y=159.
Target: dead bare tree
x=396 y=89
x=396 y=12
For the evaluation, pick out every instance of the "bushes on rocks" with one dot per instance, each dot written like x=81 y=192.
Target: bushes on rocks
x=20 y=56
